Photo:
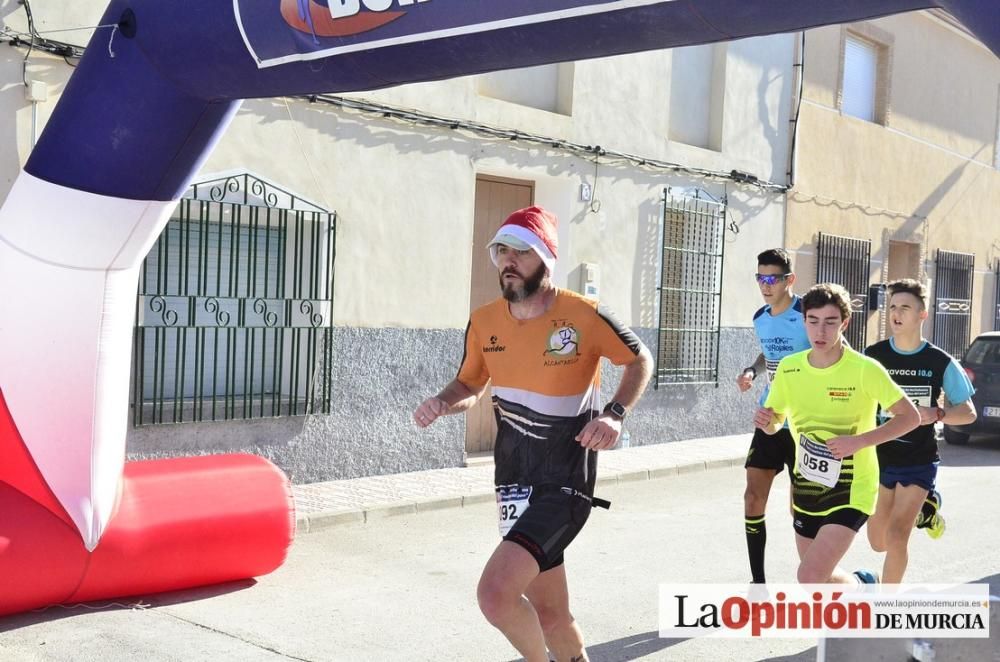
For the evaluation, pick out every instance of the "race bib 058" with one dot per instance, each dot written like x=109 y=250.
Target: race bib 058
x=816 y=462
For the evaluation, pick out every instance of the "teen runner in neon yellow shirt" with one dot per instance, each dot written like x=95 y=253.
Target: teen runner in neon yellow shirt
x=829 y=395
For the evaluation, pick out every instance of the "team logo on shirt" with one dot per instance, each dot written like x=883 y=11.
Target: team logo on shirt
x=564 y=340
x=563 y=344
x=778 y=345
x=493 y=346
x=840 y=393
x=901 y=372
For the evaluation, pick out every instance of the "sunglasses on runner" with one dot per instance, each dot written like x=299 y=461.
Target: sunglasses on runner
x=771 y=279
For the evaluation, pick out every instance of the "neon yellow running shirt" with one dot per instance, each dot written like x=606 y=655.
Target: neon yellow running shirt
x=821 y=403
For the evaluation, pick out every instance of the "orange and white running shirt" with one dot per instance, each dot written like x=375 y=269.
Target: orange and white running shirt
x=546 y=377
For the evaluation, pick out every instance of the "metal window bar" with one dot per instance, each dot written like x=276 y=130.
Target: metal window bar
x=690 y=290
x=953 y=277
x=847 y=262
x=225 y=328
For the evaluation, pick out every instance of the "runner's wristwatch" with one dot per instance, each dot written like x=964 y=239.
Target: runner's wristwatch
x=616 y=409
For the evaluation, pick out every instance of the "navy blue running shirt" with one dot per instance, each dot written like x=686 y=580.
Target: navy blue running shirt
x=923 y=374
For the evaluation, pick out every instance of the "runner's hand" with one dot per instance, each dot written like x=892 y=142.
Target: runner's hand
x=600 y=433
x=763 y=419
x=744 y=381
x=842 y=447
x=429 y=410
x=928 y=415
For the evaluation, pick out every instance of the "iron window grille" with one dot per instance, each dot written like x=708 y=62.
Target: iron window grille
x=690 y=290
x=953 y=301
x=234 y=307
x=847 y=262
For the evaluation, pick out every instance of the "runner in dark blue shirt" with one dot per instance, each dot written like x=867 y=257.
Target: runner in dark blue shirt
x=908 y=465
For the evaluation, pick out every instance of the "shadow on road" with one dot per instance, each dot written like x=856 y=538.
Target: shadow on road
x=639 y=646
x=804 y=656
x=993 y=581
x=16 y=621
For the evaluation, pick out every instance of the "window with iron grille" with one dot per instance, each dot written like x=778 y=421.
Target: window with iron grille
x=953 y=301
x=690 y=289
x=234 y=307
x=847 y=262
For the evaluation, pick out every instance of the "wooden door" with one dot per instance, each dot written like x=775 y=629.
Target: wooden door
x=496 y=198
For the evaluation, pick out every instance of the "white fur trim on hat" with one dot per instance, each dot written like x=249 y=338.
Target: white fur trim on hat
x=528 y=237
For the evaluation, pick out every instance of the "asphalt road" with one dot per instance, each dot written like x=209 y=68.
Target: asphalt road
x=403 y=588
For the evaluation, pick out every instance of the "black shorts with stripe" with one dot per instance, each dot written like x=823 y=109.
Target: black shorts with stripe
x=772 y=451
x=551 y=522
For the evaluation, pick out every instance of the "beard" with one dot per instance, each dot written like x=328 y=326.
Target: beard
x=516 y=293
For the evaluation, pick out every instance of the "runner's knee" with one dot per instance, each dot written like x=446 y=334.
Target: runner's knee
x=898 y=533
x=755 y=500
x=495 y=602
x=877 y=540
x=808 y=574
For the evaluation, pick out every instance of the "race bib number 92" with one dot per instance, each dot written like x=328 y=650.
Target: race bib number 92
x=512 y=501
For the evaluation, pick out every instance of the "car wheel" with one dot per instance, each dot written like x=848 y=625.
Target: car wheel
x=955 y=437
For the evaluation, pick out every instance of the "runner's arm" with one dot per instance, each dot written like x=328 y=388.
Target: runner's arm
x=454 y=398
x=961 y=414
x=958 y=389
x=745 y=379
x=905 y=417
x=602 y=432
x=634 y=379
x=459 y=397
x=768 y=420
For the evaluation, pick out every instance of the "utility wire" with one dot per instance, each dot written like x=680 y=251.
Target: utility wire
x=607 y=156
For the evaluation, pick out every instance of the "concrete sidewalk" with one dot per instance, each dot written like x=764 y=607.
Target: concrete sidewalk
x=321 y=505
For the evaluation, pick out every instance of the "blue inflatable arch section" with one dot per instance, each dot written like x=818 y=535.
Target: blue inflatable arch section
x=139 y=117
x=138 y=125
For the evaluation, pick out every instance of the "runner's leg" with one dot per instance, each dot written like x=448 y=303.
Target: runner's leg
x=879 y=521
x=548 y=593
x=505 y=578
x=906 y=505
x=820 y=556
x=754 y=507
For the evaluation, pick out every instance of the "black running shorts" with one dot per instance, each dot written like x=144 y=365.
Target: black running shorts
x=771 y=451
x=551 y=522
x=808 y=526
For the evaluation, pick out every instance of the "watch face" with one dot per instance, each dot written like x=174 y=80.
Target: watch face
x=616 y=408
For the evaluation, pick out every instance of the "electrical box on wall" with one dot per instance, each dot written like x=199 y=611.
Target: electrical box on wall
x=876 y=296
x=590 y=280
x=36 y=90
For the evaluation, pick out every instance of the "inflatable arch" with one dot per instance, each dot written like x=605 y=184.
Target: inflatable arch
x=135 y=123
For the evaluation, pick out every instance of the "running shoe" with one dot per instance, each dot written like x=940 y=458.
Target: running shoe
x=930 y=517
x=935 y=528
x=867 y=576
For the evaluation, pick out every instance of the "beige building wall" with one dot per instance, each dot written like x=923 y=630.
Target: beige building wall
x=927 y=176
x=404 y=194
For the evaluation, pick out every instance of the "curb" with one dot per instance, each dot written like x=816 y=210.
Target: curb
x=320 y=520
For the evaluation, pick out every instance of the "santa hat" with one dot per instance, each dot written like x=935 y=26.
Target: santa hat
x=530 y=228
